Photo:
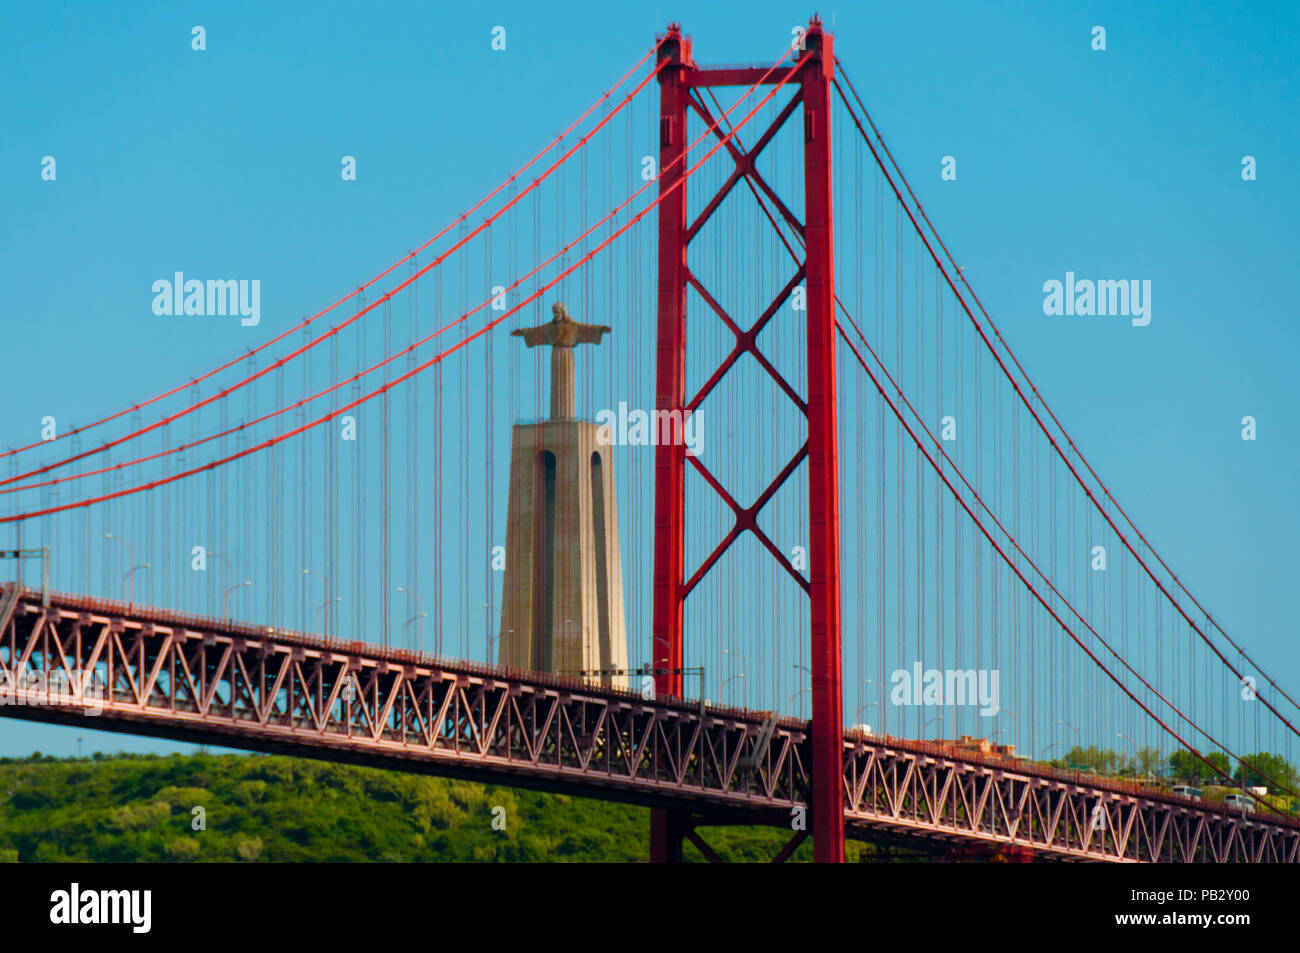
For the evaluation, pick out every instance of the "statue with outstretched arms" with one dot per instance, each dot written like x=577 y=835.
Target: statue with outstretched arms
x=562 y=334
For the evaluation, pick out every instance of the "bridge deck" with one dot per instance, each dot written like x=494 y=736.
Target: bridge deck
x=111 y=666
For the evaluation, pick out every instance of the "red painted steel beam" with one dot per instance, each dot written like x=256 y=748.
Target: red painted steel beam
x=747 y=341
x=666 y=829
x=745 y=167
x=746 y=519
x=790 y=847
x=757 y=182
x=732 y=76
x=827 y=769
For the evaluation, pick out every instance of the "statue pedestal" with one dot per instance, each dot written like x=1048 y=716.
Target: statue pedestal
x=562 y=602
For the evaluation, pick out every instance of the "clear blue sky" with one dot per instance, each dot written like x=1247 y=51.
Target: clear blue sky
x=1117 y=164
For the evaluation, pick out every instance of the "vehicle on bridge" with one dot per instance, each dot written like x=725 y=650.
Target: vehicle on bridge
x=1239 y=802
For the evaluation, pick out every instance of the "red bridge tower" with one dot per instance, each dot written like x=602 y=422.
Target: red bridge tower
x=678 y=78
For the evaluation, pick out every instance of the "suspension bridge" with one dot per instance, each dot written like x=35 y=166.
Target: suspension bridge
x=302 y=549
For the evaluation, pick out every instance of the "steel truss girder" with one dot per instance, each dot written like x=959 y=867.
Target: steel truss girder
x=193 y=678
x=939 y=798
x=189 y=677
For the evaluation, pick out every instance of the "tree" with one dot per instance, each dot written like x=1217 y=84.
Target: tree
x=1263 y=769
x=1188 y=766
x=1101 y=760
x=1148 y=760
x=1222 y=769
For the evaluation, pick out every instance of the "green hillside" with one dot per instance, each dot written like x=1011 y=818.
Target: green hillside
x=260 y=808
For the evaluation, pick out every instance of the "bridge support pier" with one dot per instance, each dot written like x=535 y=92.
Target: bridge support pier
x=666 y=832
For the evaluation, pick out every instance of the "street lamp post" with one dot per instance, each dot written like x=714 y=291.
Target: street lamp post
x=230 y=567
x=225 y=597
x=326 y=583
x=729 y=679
x=1015 y=724
x=325 y=605
x=491 y=638
x=731 y=664
x=804 y=690
x=883 y=711
x=735 y=657
x=419 y=614
x=418 y=617
x=130 y=573
x=858 y=713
